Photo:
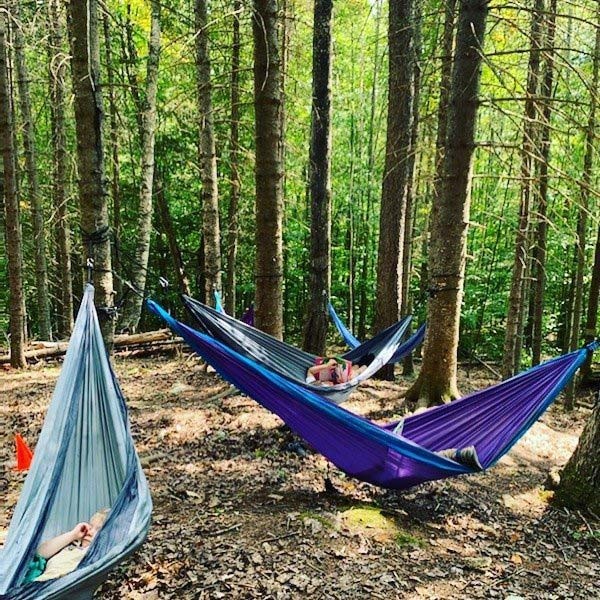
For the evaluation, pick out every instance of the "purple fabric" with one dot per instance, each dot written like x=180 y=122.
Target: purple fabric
x=248 y=316
x=492 y=420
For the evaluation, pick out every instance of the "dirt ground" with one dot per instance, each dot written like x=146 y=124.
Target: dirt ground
x=241 y=510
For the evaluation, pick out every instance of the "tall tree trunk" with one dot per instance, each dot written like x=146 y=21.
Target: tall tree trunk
x=539 y=263
x=208 y=158
x=395 y=178
x=35 y=198
x=512 y=339
x=591 y=321
x=450 y=215
x=317 y=319
x=580 y=479
x=586 y=185
x=57 y=72
x=85 y=66
x=269 y=168
x=14 y=250
x=406 y=304
x=169 y=230
x=133 y=307
x=115 y=187
x=234 y=153
x=445 y=82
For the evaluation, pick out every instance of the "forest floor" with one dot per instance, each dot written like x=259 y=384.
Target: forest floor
x=241 y=511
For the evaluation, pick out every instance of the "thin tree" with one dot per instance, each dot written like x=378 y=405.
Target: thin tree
x=317 y=320
x=85 y=66
x=268 y=167
x=234 y=157
x=208 y=157
x=133 y=308
x=516 y=300
x=591 y=321
x=395 y=178
x=436 y=382
x=14 y=250
x=586 y=186
x=31 y=168
x=406 y=303
x=539 y=257
x=57 y=67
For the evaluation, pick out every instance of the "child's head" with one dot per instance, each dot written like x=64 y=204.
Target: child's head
x=97 y=520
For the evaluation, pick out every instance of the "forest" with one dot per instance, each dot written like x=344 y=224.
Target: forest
x=432 y=158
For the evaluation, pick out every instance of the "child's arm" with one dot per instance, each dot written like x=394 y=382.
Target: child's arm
x=51 y=547
x=322 y=367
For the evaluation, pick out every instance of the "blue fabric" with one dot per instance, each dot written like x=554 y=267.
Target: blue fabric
x=84 y=461
x=353 y=342
x=218 y=303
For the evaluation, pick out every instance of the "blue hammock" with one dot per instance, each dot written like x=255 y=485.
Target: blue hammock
x=491 y=420
x=247 y=317
x=84 y=461
x=291 y=362
x=405 y=349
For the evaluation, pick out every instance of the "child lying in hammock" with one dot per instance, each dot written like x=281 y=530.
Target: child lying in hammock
x=61 y=555
x=331 y=371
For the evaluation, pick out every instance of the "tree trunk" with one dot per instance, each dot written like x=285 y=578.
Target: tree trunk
x=268 y=169
x=57 y=72
x=115 y=187
x=406 y=303
x=586 y=185
x=539 y=263
x=450 y=215
x=234 y=152
x=580 y=479
x=592 y=306
x=85 y=66
x=512 y=339
x=395 y=178
x=133 y=307
x=445 y=82
x=317 y=319
x=169 y=230
x=14 y=250
x=208 y=158
x=35 y=198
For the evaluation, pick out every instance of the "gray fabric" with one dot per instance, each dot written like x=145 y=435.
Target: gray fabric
x=84 y=461
x=291 y=362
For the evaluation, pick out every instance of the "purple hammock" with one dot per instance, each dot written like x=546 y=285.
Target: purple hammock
x=492 y=420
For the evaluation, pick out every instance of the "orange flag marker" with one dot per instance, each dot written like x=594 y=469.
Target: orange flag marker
x=24 y=454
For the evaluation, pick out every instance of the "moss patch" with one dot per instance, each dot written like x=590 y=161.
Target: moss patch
x=370 y=522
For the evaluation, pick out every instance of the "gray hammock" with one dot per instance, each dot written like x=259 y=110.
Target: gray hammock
x=291 y=362
x=84 y=461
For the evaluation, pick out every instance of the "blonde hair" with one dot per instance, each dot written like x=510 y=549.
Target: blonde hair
x=100 y=517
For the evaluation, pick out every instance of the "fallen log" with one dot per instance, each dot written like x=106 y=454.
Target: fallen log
x=122 y=341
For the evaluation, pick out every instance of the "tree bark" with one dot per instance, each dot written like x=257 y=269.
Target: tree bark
x=406 y=303
x=512 y=339
x=450 y=215
x=37 y=209
x=317 y=319
x=169 y=230
x=586 y=185
x=208 y=158
x=592 y=309
x=85 y=66
x=234 y=152
x=269 y=168
x=395 y=179
x=580 y=479
x=539 y=262
x=115 y=188
x=14 y=249
x=133 y=307
x=57 y=72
